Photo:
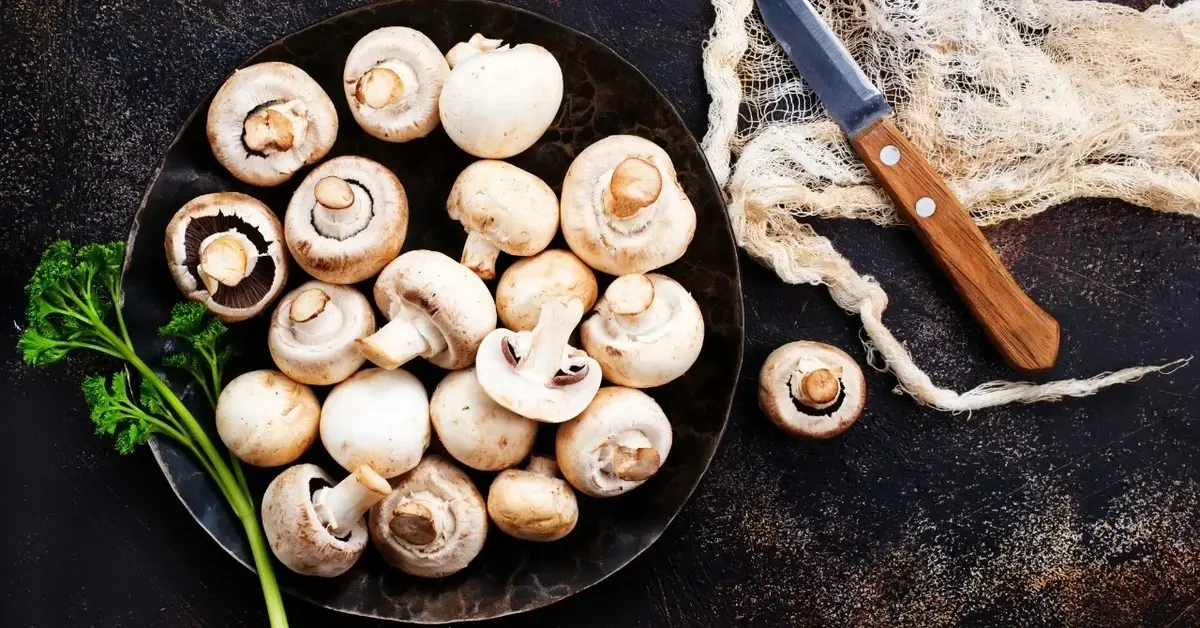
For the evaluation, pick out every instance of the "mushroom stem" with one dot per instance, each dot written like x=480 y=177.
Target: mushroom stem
x=275 y=128
x=815 y=385
x=635 y=185
x=480 y=254
x=413 y=523
x=635 y=465
x=315 y=317
x=225 y=259
x=339 y=213
x=342 y=506
x=550 y=339
x=631 y=300
x=400 y=341
x=380 y=87
x=543 y=465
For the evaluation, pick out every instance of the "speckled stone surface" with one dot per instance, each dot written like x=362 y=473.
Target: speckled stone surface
x=1084 y=513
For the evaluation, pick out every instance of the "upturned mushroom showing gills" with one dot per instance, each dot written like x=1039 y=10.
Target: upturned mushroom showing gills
x=313 y=332
x=647 y=331
x=437 y=310
x=266 y=419
x=433 y=523
x=319 y=533
x=533 y=504
x=476 y=430
x=618 y=443
x=503 y=208
x=268 y=121
x=811 y=390
x=226 y=250
x=347 y=220
x=531 y=282
x=623 y=210
x=393 y=78
x=377 y=418
x=499 y=100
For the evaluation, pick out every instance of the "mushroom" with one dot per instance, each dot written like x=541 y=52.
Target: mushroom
x=266 y=419
x=438 y=310
x=268 y=121
x=503 y=208
x=226 y=250
x=313 y=332
x=623 y=210
x=647 y=331
x=393 y=78
x=433 y=523
x=499 y=100
x=618 y=443
x=476 y=430
x=811 y=390
x=319 y=533
x=347 y=220
x=377 y=418
x=533 y=504
x=530 y=282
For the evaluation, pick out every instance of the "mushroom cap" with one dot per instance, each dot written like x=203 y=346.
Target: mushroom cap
x=476 y=430
x=456 y=301
x=254 y=223
x=499 y=102
x=646 y=332
x=377 y=418
x=656 y=235
x=457 y=508
x=529 y=282
x=534 y=504
x=422 y=70
x=515 y=210
x=375 y=192
x=617 y=417
x=776 y=382
x=295 y=532
x=266 y=419
x=327 y=356
x=250 y=90
x=551 y=403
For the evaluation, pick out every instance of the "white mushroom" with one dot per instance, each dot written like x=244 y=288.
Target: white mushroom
x=476 y=430
x=347 y=220
x=226 y=250
x=268 y=121
x=313 y=332
x=498 y=101
x=377 y=418
x=438 y=310
x=530 y=282
x=533 y=504
x=623 y=210
x=433 y=523
x=503 y=208
x=811 y=390
x=618 y=443
x=266 y=419
x=647 y=331
x=319 y=533
x=393 y=78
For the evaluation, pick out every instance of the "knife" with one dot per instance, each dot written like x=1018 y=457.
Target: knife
x=1024 y=334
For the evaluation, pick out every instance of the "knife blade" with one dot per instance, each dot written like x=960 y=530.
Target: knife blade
x=1023 y=333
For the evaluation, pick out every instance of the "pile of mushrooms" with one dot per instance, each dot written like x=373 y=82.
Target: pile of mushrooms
x=622 y=213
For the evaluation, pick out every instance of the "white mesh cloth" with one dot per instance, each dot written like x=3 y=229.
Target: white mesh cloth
x=1021 y=104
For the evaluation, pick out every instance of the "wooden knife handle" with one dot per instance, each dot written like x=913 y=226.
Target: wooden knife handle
x=1026 y=336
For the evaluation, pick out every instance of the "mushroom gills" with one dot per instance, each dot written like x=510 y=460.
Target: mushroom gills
x=275 y=127
x=341 y=507
x=409 y=334
x=387 y=85
x=343 y=208
x=259 y=274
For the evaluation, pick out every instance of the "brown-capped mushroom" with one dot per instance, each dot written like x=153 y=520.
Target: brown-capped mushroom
x=476 y=430
x=619 y=442
x=393 y=78
x=530 y=282
x=533 y=504
x=503 y=208
x=267 y=419
x=433 y=523
x=623 y=210
x=377 y=418
x=226 y=250
x=811 y=390
x=268 y=121
x=313 y=331
x=347 y=220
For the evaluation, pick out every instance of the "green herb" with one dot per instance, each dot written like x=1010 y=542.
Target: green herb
x=72 y=299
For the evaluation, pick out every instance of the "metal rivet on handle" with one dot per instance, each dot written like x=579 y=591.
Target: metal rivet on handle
x=925 y=207
x=889 y=155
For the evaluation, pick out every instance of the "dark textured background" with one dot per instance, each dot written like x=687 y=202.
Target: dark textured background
x=1084 y=513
